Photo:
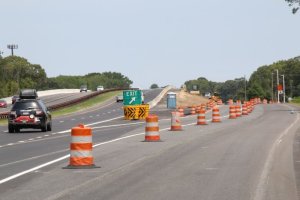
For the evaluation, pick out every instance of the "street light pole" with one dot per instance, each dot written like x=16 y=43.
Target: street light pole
x=12 y=47
x=272 y=88
x=283 y=83
x=277 y=86
x=245 y=88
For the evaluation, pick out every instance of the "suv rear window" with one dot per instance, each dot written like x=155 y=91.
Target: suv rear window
x=25 y=105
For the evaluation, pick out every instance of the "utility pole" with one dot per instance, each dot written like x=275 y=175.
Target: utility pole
x=272 y=87
x=277 y=86
x=1 y=53
x=12 y=47
x=283 y=83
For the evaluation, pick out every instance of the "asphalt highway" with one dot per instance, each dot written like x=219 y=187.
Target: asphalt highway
x=252 y=157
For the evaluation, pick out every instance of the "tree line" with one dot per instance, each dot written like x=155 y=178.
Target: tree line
x=262 y=83
x=17 y=73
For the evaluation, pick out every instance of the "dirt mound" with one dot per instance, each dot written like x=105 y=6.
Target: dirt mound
x=187 y=99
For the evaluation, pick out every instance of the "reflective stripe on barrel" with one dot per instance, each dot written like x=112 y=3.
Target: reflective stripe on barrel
x=81 y=146
x=216 y=114
x=152 y=129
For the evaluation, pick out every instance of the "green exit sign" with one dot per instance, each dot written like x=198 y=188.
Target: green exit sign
x=132 y=97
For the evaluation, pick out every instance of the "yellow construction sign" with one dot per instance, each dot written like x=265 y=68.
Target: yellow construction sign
x=136 y=111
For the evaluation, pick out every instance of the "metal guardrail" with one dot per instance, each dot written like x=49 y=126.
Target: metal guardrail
x=4 y=115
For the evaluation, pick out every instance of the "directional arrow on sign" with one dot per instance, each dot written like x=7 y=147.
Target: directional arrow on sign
x=132 y=100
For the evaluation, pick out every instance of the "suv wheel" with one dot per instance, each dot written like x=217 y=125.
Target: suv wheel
x=11 y=129
x=44 y=127
x=49 y=126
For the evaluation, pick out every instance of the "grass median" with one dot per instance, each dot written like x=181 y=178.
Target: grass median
x=296 y=101
x=80 y=106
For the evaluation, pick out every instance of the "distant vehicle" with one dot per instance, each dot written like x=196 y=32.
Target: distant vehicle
x=143 y=98
x=29 y=112
x=207 y=95
x=3 y=103
x=83 y=88
x=119 y=98
x=14 y=99
x=99 y=88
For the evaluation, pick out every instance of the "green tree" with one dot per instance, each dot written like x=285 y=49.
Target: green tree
x=295 y=4
x=154 y=86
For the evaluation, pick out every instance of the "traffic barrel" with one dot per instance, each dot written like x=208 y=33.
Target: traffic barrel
x=249 y=110
x=193 y=110
x=201 y=117
x=175 y=122
x=232 y=112
x=181 y=111
x=219 y=102
x=152 y=129
x=81 y=148
x=216 y=117
x=203 y=106
x=238 y=111
x=245 y=109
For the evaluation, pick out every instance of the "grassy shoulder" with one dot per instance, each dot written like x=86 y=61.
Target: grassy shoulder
x=80 y=106
x=296 y=101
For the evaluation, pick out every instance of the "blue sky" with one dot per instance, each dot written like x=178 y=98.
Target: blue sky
x=154 y=41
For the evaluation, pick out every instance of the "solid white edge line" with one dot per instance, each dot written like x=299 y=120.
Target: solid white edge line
x=260 y=191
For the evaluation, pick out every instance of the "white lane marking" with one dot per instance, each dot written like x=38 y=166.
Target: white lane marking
x=114 y=110
x=21 y=141
x=10 y=144
x=108 y=112
x=61 y=121
x=260 y=191
x=67 y=156
x=38 y=137
x=73 y=119
x=32 y=169
x=211 y=168
x=98 y=115
x=82 y=118
x=91 y=116
x=117 y=125
x=46 y=135
x=35 y=157
x=31 y=139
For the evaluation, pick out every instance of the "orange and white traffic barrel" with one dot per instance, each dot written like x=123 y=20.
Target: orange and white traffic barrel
x=193 y=110
x=238 y=111
x=181 y=111
x=245 y=109
x=175 y=122
x=152 y=129
x=81 y=148
x=201 y=117
x=232 y=112
x=219 y=102
x=249 y=110
x=216 y=117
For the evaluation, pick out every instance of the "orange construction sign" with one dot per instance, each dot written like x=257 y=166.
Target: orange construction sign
x=279 y=87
